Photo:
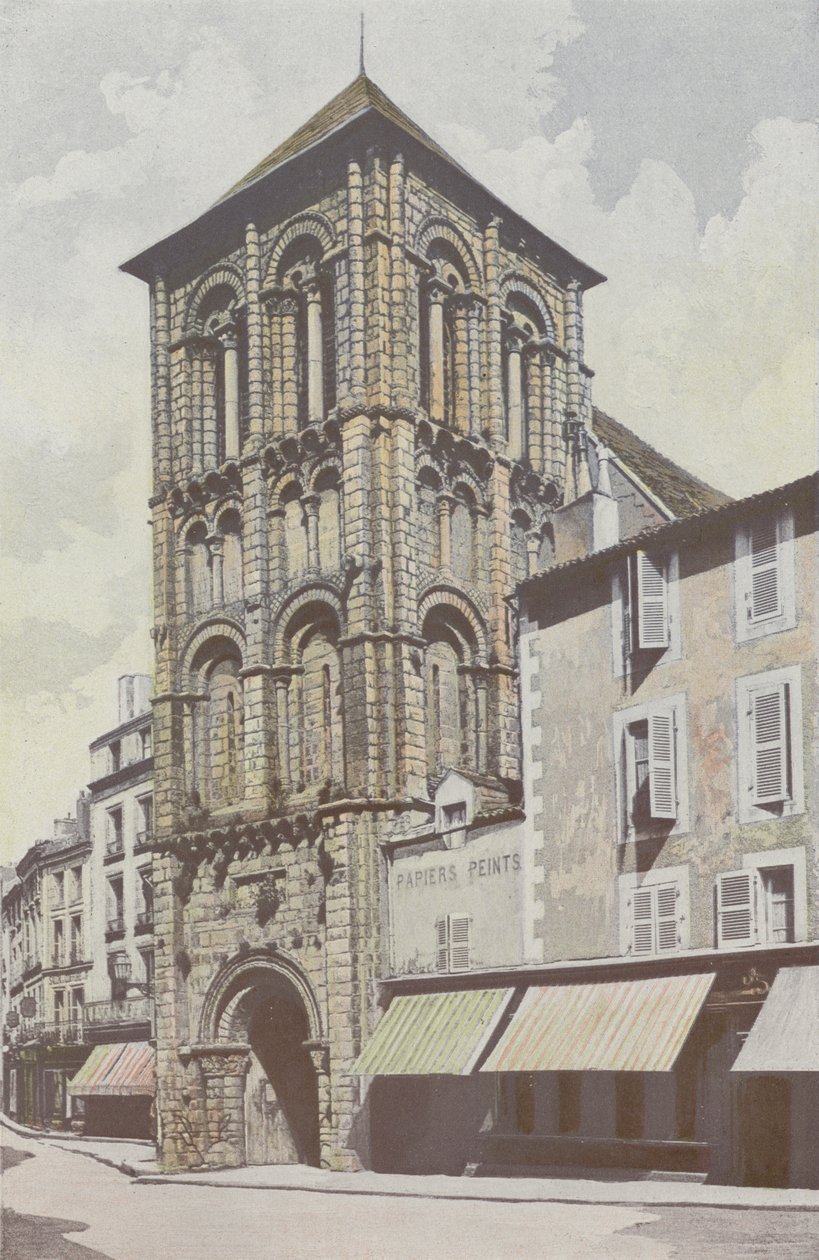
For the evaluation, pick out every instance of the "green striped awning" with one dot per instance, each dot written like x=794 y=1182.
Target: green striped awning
x=440 y=1034
x=619 y=1026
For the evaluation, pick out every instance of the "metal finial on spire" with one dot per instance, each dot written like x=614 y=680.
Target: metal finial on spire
x=361 y=69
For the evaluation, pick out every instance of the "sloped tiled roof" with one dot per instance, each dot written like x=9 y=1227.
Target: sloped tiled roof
x=680 y=491
x=360 y=95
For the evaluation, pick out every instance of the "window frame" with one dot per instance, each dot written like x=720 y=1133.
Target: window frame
x=635 y=881
x=775 y=859
x=626 y=658
x=746 y=629
x=627 y=831
x=749 y=810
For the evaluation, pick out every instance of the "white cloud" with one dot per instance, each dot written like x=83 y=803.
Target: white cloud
x=698 y=334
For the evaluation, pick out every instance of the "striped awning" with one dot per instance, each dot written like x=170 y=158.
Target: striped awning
x=116 y=1071
x=785 y=1034
x=433 y=1033
x=622 y=1026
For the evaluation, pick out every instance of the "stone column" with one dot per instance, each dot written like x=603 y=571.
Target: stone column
x=197 y=419
x=473 y=316
x=315 y=353
x=310 y=503
x=209 y=420
x=255 y=339
x=444 y=508
x=532 y=549
x=436 y=293
x=281 y=680
x=399 y=315
x=160 y=328
x=514 y=393
x=288 y=311
x=223 y=1069
x=230 y=368
x=217 y=560
x=491 y=256
x=319 y=1056
x=355 y=237
x=273 y=305
x=278 y=559
x=574 y=347
x=533 y=383
x=481 y=718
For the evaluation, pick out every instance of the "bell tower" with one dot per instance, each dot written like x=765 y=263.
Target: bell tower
x=369 y=396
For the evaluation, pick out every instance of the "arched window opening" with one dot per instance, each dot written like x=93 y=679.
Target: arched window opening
x=546 y=548
x=199 y=593
x=295 y=534
x=216 y=746
x=525 y=326
x=444 y=335
x=317 y=701
x=450 y=696
x=521 y=526
x=315 y=352
x=230 y=526
x=463 y=534
x=429 y=537
x=329 y=521
x=223 y=372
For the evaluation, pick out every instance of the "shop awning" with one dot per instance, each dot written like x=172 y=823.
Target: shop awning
x=620 y=1026
x=433 y=1033
x=115 y=1071
x=785 y=1035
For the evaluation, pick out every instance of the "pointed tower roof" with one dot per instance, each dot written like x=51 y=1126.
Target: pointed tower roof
x=361 y=106
x=352 y=102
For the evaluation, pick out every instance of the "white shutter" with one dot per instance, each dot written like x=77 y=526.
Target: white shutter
x=642 y=921
x=442 y=945
x=661 y=758
x=765 y=594
x=459 y=942
x=736 y=908
x=667 y=930
x=652 y=602
x=769 y=744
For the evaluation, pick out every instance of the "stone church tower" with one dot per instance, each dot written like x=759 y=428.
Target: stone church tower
x=369 y=396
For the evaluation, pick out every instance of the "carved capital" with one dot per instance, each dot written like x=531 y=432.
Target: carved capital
x=222 y=1060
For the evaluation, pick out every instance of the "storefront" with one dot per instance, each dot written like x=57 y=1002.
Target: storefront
x=711 y=1074
x=113 y=1093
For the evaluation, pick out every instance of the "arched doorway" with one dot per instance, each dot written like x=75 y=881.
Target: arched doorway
x=259 y=1005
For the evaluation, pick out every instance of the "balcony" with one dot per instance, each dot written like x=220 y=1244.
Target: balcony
x=77 y=954
x=144 y=921
x=114 y=927
x=62 y=1032
x=143 y=839
x=114 y=849
x=132 y=1010
x=31 y=965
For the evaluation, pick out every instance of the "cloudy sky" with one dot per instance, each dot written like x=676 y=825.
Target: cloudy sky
x=670 y=143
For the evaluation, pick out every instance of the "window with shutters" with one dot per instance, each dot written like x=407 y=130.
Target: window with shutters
x=645 y=612
x=452 y=943
x=764 y=573
x=765 y=903
x=650 y=744
x=769 y=739
x=654 y=911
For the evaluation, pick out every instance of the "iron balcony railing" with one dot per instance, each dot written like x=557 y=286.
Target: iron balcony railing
x=63 y=1032
x=145 y=921
x=132 y=1010
x=144 y=838
x=114 y=847
x=115 y=927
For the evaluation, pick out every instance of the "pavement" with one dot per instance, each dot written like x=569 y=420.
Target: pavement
x=137 y=1160
x=61 y=1204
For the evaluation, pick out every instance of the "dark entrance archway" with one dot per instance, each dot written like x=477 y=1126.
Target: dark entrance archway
x=267 y=1006
x=281 y=1091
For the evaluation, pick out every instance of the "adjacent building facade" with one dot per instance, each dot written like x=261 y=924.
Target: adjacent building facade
x=77 y=940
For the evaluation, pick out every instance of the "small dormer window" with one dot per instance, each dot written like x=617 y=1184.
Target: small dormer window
x=454 y=815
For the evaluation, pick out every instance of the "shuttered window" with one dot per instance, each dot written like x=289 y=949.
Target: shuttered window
x=650 y=770
x=736 y=895
x=650 y=585
x=452 y=939
x=654 y=919
x=765 y=588
x=768 y=716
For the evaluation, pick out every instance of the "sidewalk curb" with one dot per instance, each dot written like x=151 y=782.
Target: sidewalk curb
x=58 y=1135
x=155 y=1179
